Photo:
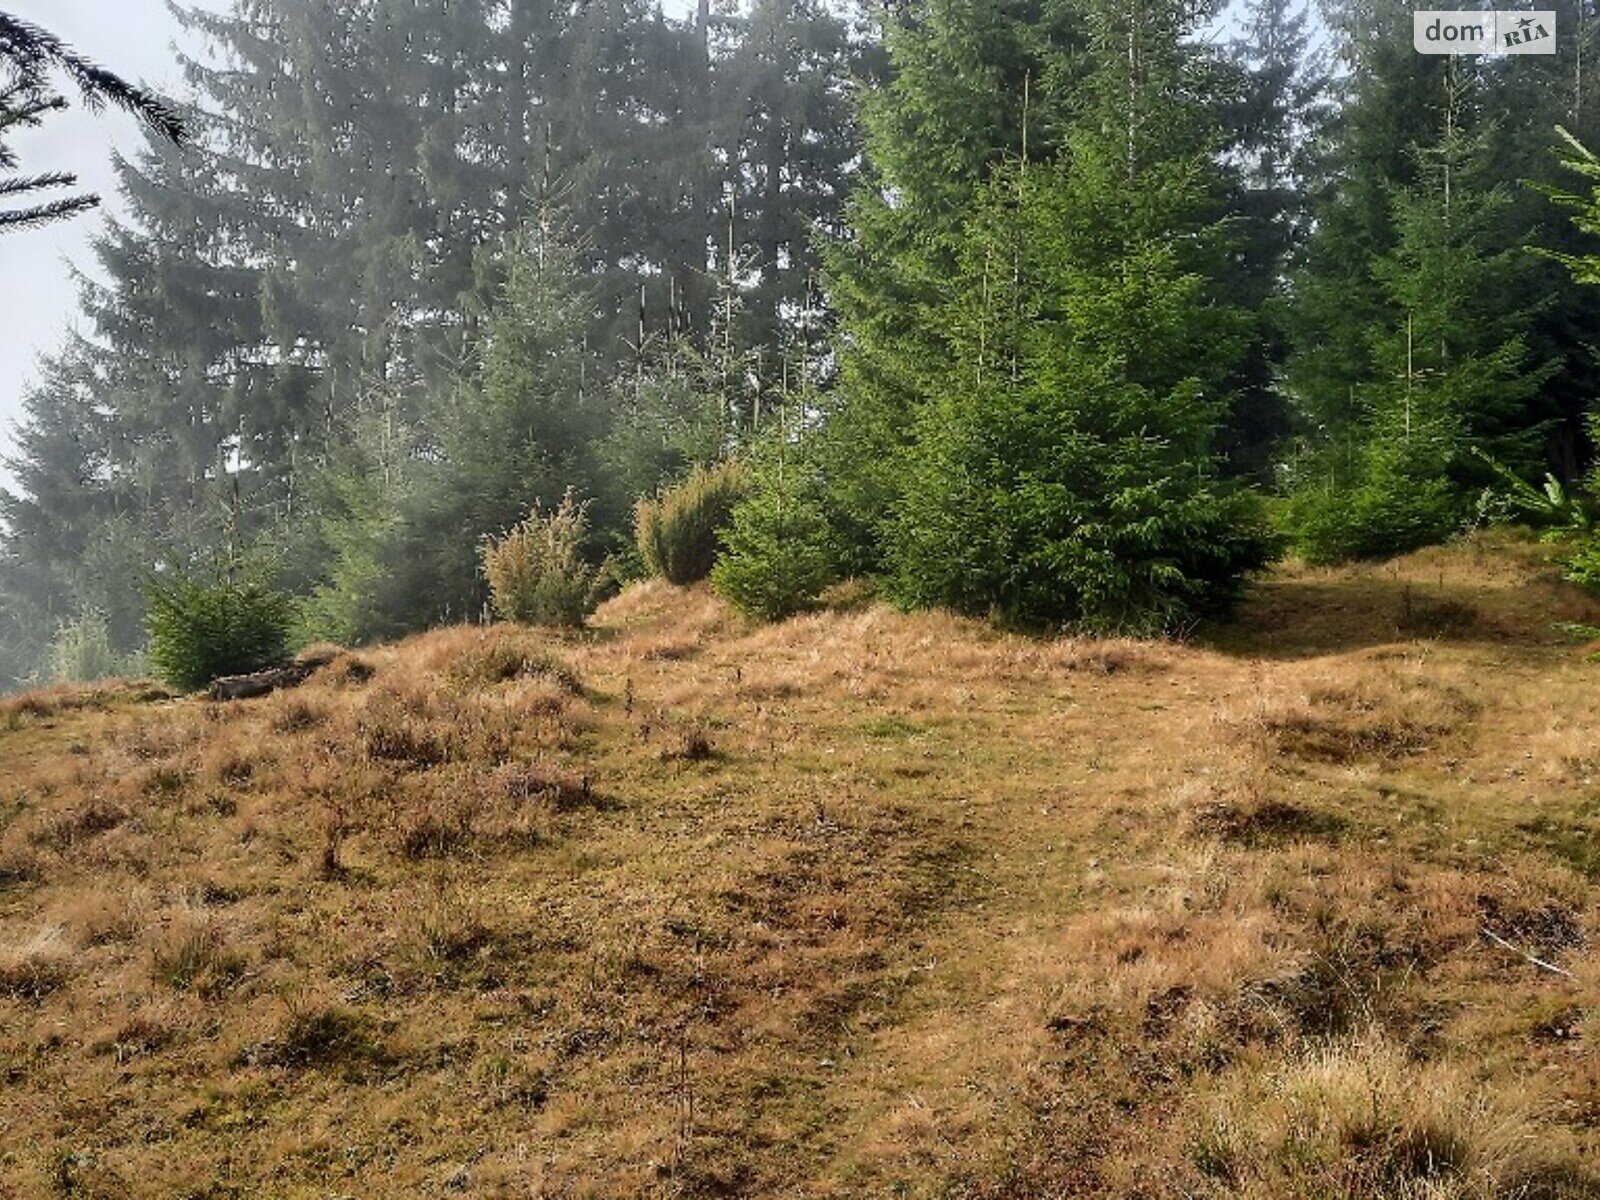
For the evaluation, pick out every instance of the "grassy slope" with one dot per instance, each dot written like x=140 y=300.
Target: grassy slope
x=864 y=904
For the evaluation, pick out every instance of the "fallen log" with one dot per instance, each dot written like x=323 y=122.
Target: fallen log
x=261 y=683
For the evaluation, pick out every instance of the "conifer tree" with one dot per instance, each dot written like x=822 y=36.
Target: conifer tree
x=1066 y=385
x=1442 y=360
x=1271 y=120
x=790 y=139
x=519 y=431
x=58 y=517
x=1389 y=98
x=30 y=58
x=966 y=87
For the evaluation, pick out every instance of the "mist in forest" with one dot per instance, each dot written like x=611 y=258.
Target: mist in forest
x=1072 y=315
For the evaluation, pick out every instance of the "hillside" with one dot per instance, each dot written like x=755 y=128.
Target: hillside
x=864 y=904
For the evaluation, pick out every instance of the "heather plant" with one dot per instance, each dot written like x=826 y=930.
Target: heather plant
x=536 y=570
x=679 y=529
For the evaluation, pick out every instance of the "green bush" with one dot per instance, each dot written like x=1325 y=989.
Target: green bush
x=1148 y=561
x=1373 y=520
x=1583 y=566
x=203 y=631
x=1018 y=508
x=775 y=562
x=536 y=571
x=1402 y=496
x=678 y=529
x=82 y=652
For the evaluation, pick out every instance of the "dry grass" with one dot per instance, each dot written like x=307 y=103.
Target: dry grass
x=1361 y=1118
x=31 y=970
x=860 y=905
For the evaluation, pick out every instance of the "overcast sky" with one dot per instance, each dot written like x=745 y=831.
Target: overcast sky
x=37 y=297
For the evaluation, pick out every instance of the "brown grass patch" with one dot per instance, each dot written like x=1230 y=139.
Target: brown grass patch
x=1379 y=714
x=64 y=830
x=1267 y=823
x=296 y=716
x=1359 y=1119
x=18 y=870
x=32 y=970
x=564 y=792
x=193 y=956
x=314 y=1036
x=864 y=904
x=348 y=671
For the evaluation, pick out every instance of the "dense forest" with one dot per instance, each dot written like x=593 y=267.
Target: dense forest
x=1072 y=314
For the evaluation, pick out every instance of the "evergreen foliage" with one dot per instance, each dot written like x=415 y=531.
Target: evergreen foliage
x=667 y=414
x=1039 y=291
x=516 y=433
x=1584 y=564
x=1445 y=374
x=776 y=558
x=205 y=630
x=29 y=58
x=1058 y=465
x=311 y=294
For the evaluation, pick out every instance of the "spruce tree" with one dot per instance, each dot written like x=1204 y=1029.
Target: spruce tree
x=30 y=59
x=1061 y=466
x=64 y=522
x=1446 y=366
x=961 y=82
x=790 y=139
x=1271 y=119
x=520 y=429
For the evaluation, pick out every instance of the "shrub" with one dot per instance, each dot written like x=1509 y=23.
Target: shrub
x=1373 y=520
x=678 y=530
x=775 y=561
x=1400 y=499
x=1100 y=529
x=537 y=574
x=1583 y=567
x=81 y=651
x=202 y=632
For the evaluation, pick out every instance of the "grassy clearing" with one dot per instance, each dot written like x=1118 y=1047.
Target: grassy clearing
x=863 y=904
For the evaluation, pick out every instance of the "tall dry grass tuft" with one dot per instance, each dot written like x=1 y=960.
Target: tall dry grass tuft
x=1362 y=1119
x=500 y=656
x=192 y=955
x=32 y=969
